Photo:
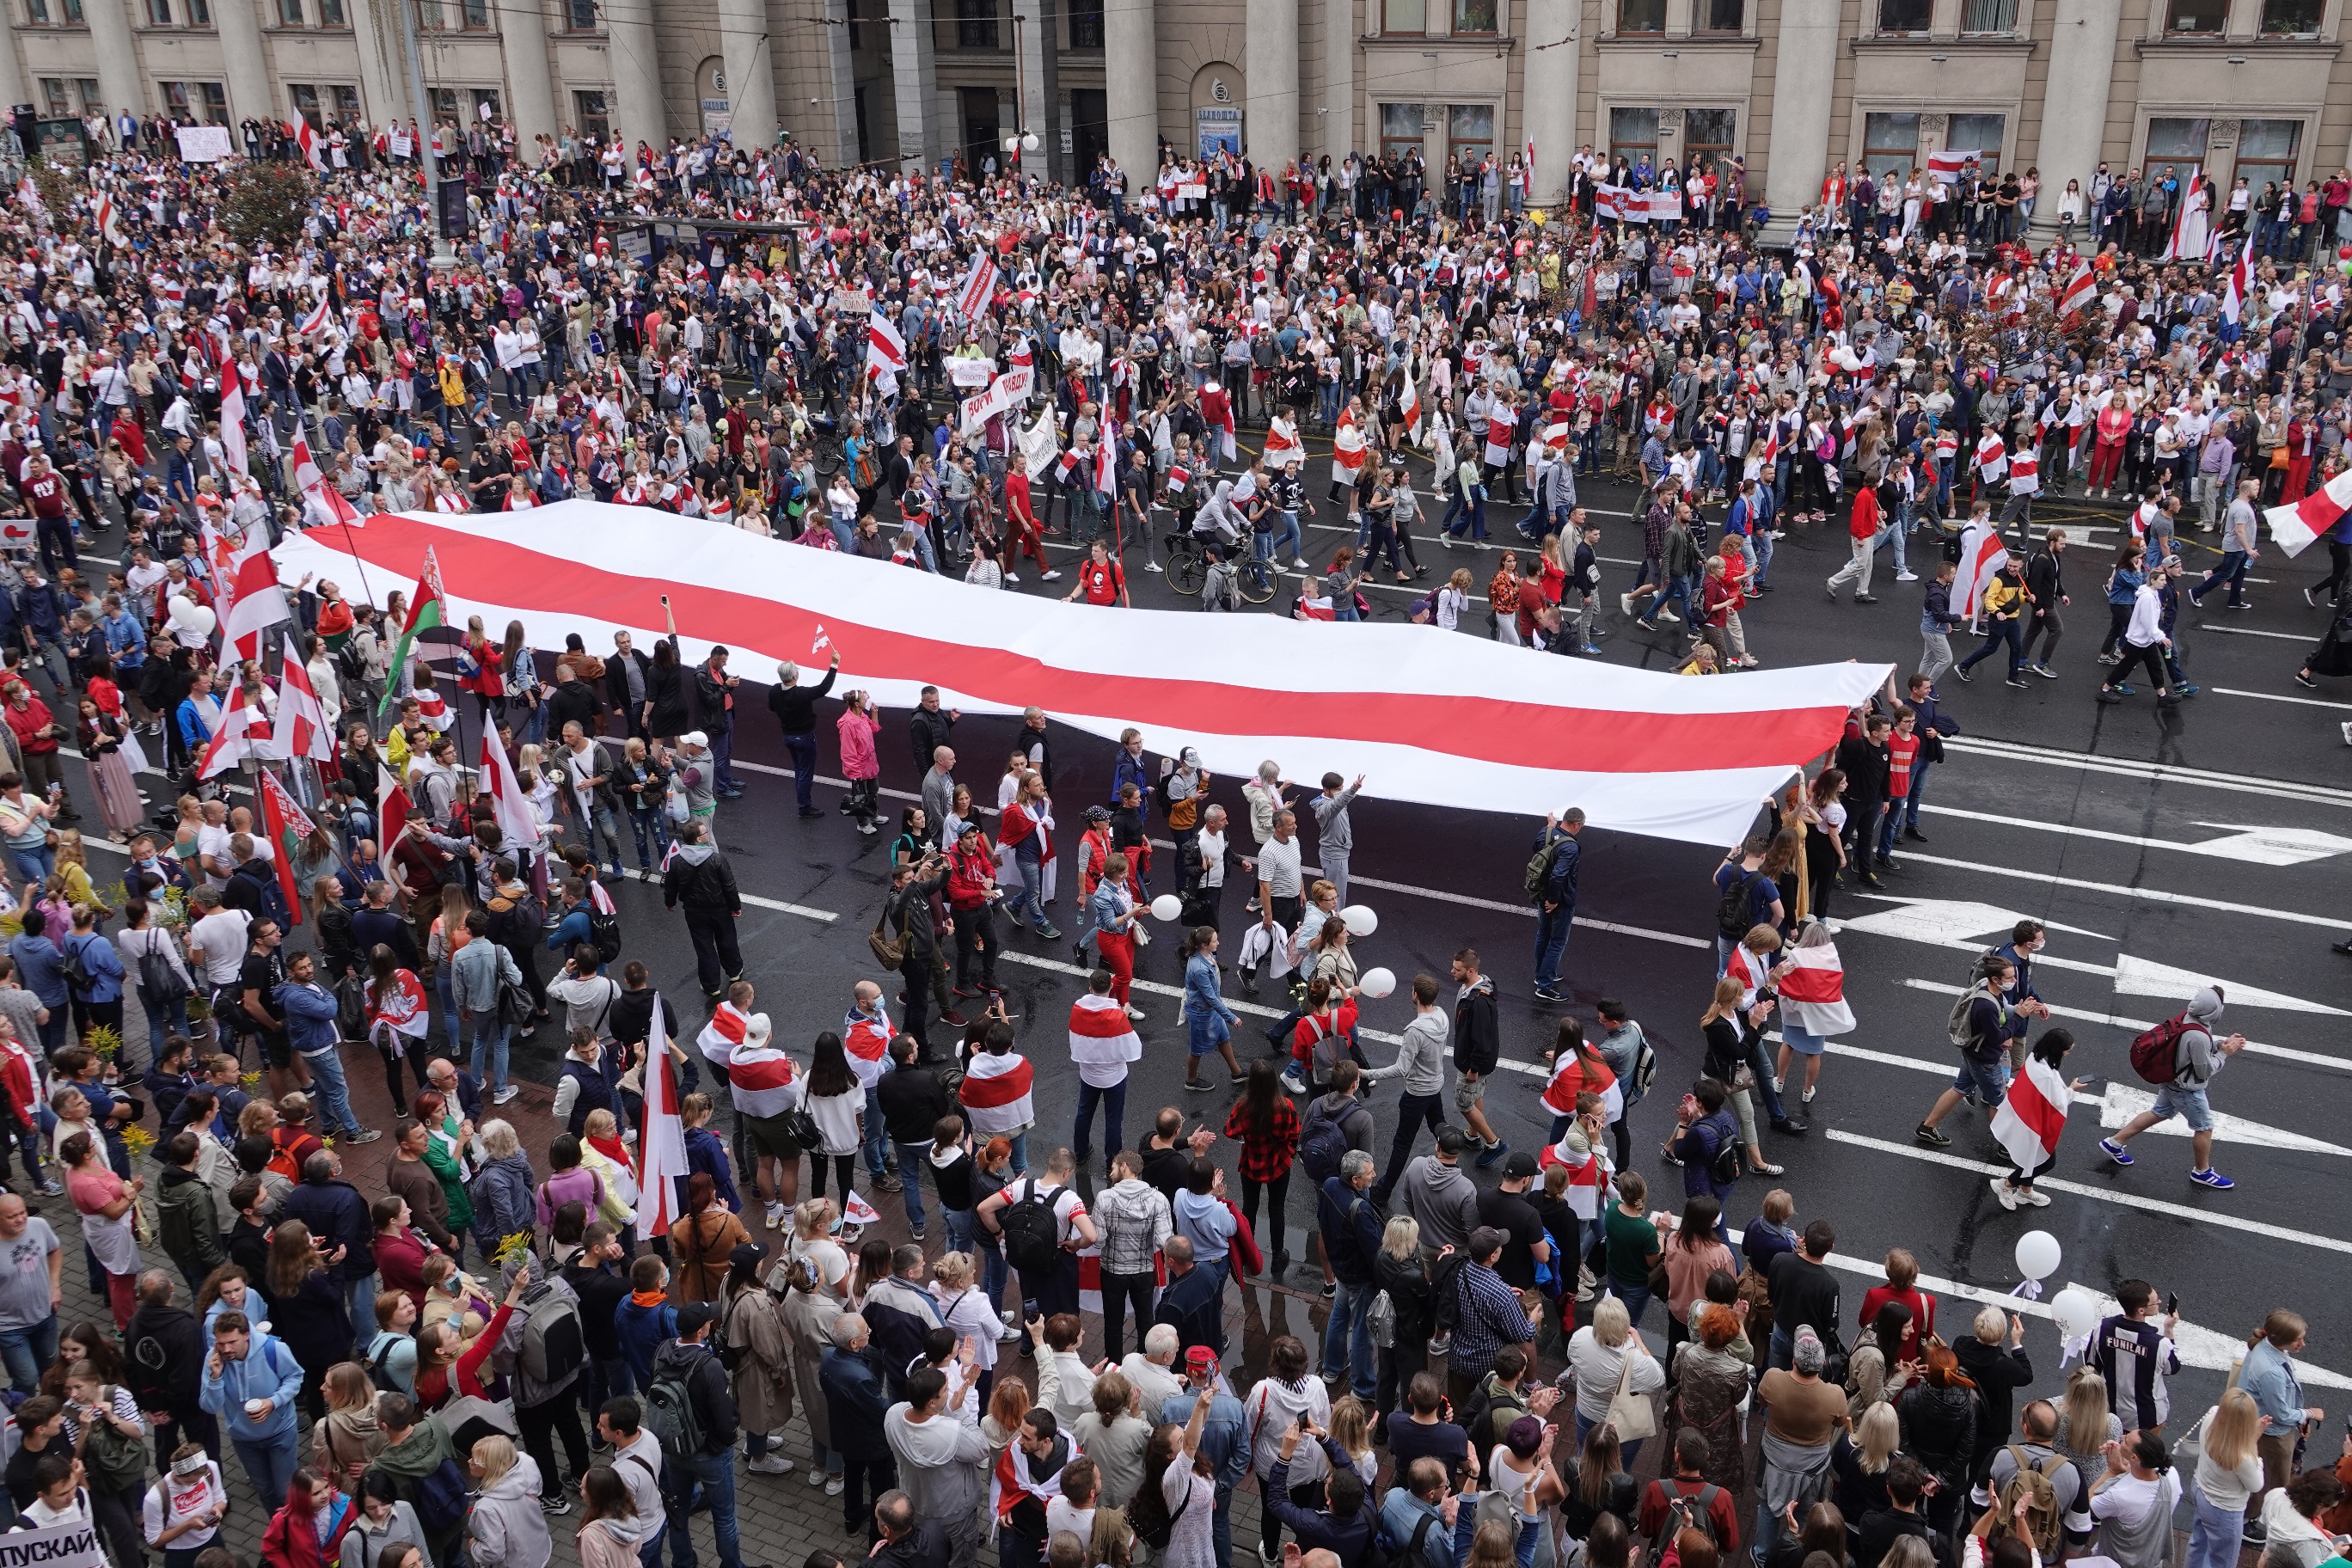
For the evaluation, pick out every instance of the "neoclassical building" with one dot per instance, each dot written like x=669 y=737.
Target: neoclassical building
x=2249 y=86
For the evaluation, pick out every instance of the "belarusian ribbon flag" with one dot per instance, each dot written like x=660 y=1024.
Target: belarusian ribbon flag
x=288 y=827
x=303 y=729
x=2033 y=1115
x=979 y=287
x=241 y=728
x=727 y=1029
x=661 y=1135
x=424 y=615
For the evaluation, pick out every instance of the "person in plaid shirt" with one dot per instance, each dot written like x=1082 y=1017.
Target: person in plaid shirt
x=1488 y=1315
x=1266 y=1123
x=1133 y=1221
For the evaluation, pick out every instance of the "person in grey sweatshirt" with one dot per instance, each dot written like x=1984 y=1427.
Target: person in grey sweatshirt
x=942 y=1459
x=2198 y=1054
x=1336 y=839
x=1441 y=1197
x=1421 y=1062
x=2239 y=548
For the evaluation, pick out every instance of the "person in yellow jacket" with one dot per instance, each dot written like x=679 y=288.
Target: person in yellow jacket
x=2006 y=603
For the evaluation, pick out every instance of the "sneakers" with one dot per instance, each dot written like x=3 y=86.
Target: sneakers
x=2115 y=1151
x=832 y=1485
x=1492 y=1155
x=1906 y=576
x=1135 y=1014
x=1547 y=993
x=1625 y=602
x=2043 y=671
x=2034 y=1197
x=363 y=1135
x=504 y=1095
x=555 y=1506
x=1936 y=1136
x=816 y=1477
x=1442 y=1344
x=775 y=1217
x=50 y=1189
x=1866 y=598
x=2209 y=1177
x=1293 y=1085
x=2005 y=1193
x=1049 y=576
x=916 y=1234
x=888 y=1182
x=769 y=1463
x=1965 y=673
x=2018 y=681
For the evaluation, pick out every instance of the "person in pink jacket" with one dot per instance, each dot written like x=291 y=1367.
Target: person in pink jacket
x=859 y=763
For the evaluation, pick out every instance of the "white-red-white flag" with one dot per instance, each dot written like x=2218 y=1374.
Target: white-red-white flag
x=2080 y=289
x=2033 y=1115
x=885 y=349
x=978 y=287
x=308 y=139
x=508 y=805
x=244 y=732
x=661 y=1133
x=232 y=423
x=260 y=603
x=302 y=729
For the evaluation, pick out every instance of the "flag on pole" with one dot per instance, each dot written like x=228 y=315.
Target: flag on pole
x=2240 y=284
x=885 y=349
x=319 y=319
x=2293 y=528
x=303 y=730
x=1107 y=464
x=30 y=195
x=109 y=222
x=661 y=1134
x=424 y=615
x=823 y=641
x=1408 y=405
x=308 y=139
x=2033 y=1115
x=260 y=603
x=393 y=811
x=232 y=423
x=288 y=827
x=508 y=805
x=2080 y=289
x=241 y=728
x=978 y=287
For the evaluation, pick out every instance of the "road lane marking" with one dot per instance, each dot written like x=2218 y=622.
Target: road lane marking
x=2161 y=773
x=2251 y=845
x=2136 y=1025
x=2150 y=895
x=2280 y=697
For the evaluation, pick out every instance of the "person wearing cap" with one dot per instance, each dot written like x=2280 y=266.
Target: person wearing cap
x=696 y=771
x=1803 y=1417
x=1440 y=1195
x=972 y=902
x=1488 y=1314
x=710 y=1473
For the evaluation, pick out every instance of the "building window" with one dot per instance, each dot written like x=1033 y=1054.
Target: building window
x=53 y=95
x=331 y=13
x=347 y=103
x=306 y=103
x=2290 y=19
x=1641 y=16
x=2200 y=17
x=216 y=99
x=1086 y=24
x=1890 y=143
x=175 y=98
x=1981 y=134
x=444 y=103
x=429 y=16
x=1401 y=128
x=1633 y=137
x=1408 y=17
x=976 y=24
x=579 y=16
x=290 y=12
x=590 y=115
x=2177 y=144
x=1988 y=17
x=475 y=15
x=1708 y=138
x=1904 y=16
x=1476 y=16
x=159 y=13
x=200 y=14
x=1470 y=127
x=1725 y=16
x=37 y=12
x=2267 y=150
x=93 y=101
x=486 y=104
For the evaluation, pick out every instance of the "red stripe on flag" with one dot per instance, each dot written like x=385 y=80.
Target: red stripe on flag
x=987 y=1093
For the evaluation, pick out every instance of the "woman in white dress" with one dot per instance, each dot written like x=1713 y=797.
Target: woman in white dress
x=2196 y=221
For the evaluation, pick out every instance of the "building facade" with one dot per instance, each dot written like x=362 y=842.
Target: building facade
x=1795 y=87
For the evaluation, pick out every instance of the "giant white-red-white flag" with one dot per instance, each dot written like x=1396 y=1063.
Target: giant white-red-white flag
x=302 y=729
x=1431 y=721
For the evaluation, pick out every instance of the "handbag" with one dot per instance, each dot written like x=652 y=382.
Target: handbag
x=889 y=951
x=1633 y=1416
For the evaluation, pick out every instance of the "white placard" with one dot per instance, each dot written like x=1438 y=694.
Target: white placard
x=57 y=1545
x=206 y=143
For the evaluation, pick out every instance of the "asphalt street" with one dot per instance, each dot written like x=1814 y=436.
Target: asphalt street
x=2201 y=845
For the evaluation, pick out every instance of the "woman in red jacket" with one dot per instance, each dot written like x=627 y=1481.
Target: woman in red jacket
x=479 y=669
x=298 y=1536
x=442 y=1371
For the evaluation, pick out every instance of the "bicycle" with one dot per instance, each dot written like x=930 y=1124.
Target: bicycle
x=1188 y=570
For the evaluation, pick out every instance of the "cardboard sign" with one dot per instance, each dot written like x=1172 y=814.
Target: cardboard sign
x=57 y=1546
x=204 y=144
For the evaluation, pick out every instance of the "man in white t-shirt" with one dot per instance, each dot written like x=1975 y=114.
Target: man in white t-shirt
x=1045 y=1294
x=217 y=938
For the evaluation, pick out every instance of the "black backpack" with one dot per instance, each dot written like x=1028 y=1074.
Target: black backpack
x=1685 y=1511
x=76 y=965
x=1380 y=1552
x=605 y=934
x=1033 y=1234
x=1732 y=911
x=1323 y=1145
x=378 y=1369
x=1723 y=1166
x=1445 y=1298
x=671 y=1417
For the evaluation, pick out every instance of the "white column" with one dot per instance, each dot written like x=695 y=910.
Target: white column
x=1339 y=103
x=1036 y=36
x=750 y=73
x=1548 y=97
x=117 y=56
x=638 y=113
x=839 y=108
x=2074 y=122
x=1803 y=82
x=1131 y=72
x=247 y=67
x=12 y=66
x=375 y=28
x=1270 y=63
x=914 y=84
x=530 y=87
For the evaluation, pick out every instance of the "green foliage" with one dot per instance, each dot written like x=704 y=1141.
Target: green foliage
x=267 y=201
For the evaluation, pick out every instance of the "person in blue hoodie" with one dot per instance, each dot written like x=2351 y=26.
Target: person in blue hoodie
x=647 y=1318
x=312 y=1030
x=250 y=1383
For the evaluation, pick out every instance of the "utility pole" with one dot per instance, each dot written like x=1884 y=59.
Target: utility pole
x=420 y=109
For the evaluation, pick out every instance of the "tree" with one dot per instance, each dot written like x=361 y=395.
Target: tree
x=268 y=200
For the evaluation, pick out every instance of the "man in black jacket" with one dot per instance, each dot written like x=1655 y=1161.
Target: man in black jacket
x=628 y=675
x=1477 y=1052
x=714 y=700
x=912 y=1101
x=700 y=879
x=163 y=1363
x=338 y=1218
x=907 y=1541
x=1193 y=1302
x=856 y=1400
x=908 y=916
x=794 y=706
x=929 y=728
x=711 y=1473
x=596 y=1277
x=1863 y=760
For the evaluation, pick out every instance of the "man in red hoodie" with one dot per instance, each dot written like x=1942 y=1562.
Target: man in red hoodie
x=1862 y=528
x=37 y=734
x=972 y=900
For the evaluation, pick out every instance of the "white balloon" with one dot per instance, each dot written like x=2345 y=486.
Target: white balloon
x=1376 y=983
x=2075 y=1312
x=201 y=620
x=1167 y=907
x=1361 y=921
x=179 y=609
x=2037 y=1255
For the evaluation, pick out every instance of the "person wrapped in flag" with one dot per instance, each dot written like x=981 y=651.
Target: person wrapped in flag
x=1811 y=983
x=2032 y=1118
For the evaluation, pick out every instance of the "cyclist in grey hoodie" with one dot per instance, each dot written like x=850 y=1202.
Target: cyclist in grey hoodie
x=2197 y=1055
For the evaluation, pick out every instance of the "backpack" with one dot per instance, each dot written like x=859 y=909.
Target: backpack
x=2156 y=1052
x=671 y=1417
x=1732 y=911
x=350 y=661
x=116 y=1459
x=1446 y=1300
x=1539 y=872
x=730 y=1354
x=159 y=982
x=1957 y=1026
x=2032 y=1482
x=605 y=935
x=281 y=1156
x=1380 y=1552
x=1323 y=1145
x=76 y=965
x=378 y=1369
x=1684 y=1512
x=1379 y=1321
x=1723 y=1166
x=1033 y=1234
x=554 y=1344
x=440 y=1499
x=1645 y=1072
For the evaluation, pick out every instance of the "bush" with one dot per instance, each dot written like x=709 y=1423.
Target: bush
x=268 y=200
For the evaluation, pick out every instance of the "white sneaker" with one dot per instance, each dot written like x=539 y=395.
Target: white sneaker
x=1300 y=561
x=2035 y=1196
x=1135 y=1014
x=1153 y=566
x=769 y=1464
x=833 y=1486
x=1625 y=603
x=1906 y=576
x=775 y=1217
x=504 y=1095
x=1009 y=1318
x=2005 y=1193
x=1009 y=577
x=1670 y=618
x=1049 y=576
x=816 y=1477
x=1008 y=1335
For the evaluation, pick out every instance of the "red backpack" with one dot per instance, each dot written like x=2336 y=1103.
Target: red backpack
x=2156 y=1053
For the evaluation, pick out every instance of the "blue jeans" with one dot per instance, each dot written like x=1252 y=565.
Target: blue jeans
x=712 y=1475
x=2215 y=1540
x=1919 y=788
x=162 y=1021
x=1349 y=1333
x=652 y=834
x=803 y=751
x=1030 y=859
x=1286 y=536
x=1114 y=1103
x=487 y=1039
x=327 y=1072
x=1635 y=1297
x=877 y=1137
x=959 y=1225
x=28 y=1351
x=1984 y=1082
x=269 y=1464
x=1584 y=1424
x=722 y=765
x=2232 y=570
x=1551 y=940
x=912 y=1158
x=34 y=861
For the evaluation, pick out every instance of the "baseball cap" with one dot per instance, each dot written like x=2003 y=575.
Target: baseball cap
x=694 y=737
x=1451 y=1141
x=747 y=1255
x=1200 y=1358
x=695 y=1315
x=1520 y=1164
